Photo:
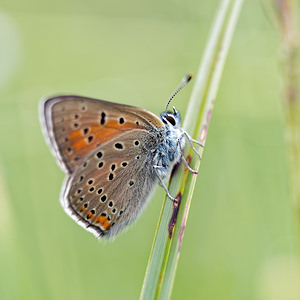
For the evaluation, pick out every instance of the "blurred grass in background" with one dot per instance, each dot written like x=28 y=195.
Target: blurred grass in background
x=241 y=240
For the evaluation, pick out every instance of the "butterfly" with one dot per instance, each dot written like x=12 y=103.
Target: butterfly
x=113 y=155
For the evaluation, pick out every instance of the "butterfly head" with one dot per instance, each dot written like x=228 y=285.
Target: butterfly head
x=171 y=119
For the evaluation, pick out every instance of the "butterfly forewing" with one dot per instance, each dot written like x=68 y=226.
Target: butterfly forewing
x=110 y=186
x=75 y=126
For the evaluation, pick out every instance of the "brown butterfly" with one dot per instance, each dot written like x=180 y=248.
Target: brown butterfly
x=113 y=155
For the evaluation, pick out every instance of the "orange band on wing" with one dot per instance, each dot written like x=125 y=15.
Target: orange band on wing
x=81 y=143
x=82 y=209
x=103 y=221
x=90 y=215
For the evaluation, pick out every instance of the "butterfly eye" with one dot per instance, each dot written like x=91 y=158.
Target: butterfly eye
x=171 y=120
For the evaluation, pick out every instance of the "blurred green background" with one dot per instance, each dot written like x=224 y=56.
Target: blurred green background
x=241 y=240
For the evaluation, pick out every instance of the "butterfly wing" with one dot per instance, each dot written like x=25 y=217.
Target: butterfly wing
x=76 y=125
x=111 y=185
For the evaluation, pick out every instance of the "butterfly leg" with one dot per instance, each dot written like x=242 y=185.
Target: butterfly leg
x=184 y=160
x=191 y=140
x=156 y=168
x=187 y=165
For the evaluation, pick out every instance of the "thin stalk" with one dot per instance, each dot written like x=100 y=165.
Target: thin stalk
x=287 y=13
x=200 y=134
x=162 y=264
x=287 y=26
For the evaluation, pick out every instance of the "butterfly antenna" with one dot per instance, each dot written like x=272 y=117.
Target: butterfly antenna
x=183 y=82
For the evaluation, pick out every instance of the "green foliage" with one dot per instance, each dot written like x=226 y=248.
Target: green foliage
x=241 y=221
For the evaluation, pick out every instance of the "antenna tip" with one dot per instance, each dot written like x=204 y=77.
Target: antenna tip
x=189 y=77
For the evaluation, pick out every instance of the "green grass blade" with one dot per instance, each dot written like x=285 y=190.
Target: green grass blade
x=203 y=120
x=288 y=29
x=283 y=16
x=165 y=251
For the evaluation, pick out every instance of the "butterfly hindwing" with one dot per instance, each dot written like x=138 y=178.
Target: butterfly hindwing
x=111 y=185
x=76 y=125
